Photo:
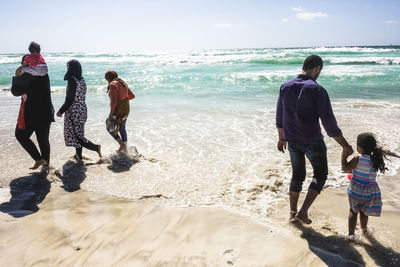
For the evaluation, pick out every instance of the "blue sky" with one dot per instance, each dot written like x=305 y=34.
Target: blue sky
x=119 y=26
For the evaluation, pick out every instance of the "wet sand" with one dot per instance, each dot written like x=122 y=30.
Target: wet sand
x=44 y=224
x=84 y=228
x=326 y=235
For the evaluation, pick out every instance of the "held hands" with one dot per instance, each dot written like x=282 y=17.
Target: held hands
x=282 y=145
x=347 y=151
x=348 y=166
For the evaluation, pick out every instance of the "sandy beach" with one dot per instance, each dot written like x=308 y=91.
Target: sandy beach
x=200 y=92
x=203 y=183
x=44 y=224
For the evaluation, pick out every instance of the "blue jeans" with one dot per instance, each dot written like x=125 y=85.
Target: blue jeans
x=122 y=132
x=316 y=154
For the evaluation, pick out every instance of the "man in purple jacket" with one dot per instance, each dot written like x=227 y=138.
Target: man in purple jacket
x=301 y=104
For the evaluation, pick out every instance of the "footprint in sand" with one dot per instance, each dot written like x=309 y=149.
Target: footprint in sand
x=329 y=228
x=227 y=251
x=230 y=254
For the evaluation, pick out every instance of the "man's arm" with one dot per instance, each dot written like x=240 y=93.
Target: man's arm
x=347 y=149
x=281 y=141
x=325 y=112
x=279 y=124
x=341 y=141
x=328 y=120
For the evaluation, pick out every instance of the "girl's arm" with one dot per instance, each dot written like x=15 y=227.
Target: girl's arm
x=130 y=94
x=113 y=94
x=349 y=166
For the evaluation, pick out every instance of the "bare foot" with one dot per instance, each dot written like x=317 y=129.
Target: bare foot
x=368 y=231
x=353 y=237
x=45 y=168
x=38 y=164
x=303 y=218
x=292 y=216
x=99 y=151
x=122 y=148
x=77 y=158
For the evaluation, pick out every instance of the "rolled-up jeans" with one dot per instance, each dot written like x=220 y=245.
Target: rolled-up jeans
x=122 y=132
x=316 y=154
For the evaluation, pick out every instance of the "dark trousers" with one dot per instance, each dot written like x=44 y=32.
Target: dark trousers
x=42 y=136
x=88 y=145
x=316 y=154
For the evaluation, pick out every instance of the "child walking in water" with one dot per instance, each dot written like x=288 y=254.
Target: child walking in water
x=363 y=191
x=120 y=94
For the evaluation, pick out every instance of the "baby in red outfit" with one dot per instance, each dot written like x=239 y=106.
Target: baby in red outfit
x=34 y=63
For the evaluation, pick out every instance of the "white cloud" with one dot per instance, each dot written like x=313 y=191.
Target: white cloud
x=392 y=22
x=223 y=25
x=285 y=20
x=310 y=15
x=297 y=9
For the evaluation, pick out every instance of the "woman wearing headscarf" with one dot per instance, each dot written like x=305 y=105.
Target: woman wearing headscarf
x=35 y=115
x=75 y=111
x=119 y=94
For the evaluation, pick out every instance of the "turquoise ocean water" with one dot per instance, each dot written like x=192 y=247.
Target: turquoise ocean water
x=207 y=118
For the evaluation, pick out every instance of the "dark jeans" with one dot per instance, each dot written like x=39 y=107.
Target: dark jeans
x=42 y=135
x=316 y=154
x=122 y=132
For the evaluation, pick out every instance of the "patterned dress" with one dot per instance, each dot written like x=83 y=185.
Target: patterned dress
x=363 y=190
x=75 y=117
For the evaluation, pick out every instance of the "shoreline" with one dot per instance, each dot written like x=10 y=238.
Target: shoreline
x=87 y=228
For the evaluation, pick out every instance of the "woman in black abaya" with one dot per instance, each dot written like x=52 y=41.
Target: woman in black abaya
x=75 y=111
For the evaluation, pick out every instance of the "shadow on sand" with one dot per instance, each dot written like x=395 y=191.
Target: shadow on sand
x=381 y=255
x=73 y=174
x=26 y=193
x=332 y=250
x=338 y=251
x=123 y=162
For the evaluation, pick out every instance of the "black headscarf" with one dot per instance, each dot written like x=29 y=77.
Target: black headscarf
x=74 y=69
